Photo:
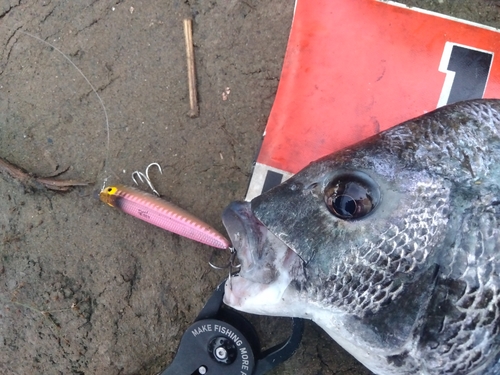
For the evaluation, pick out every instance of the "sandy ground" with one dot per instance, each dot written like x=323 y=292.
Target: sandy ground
x=85 y=289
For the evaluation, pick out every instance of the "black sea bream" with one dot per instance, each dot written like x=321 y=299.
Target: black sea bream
x=392 y=245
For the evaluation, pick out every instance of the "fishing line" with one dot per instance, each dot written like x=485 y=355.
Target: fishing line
x=101 y=102
x=136 y=203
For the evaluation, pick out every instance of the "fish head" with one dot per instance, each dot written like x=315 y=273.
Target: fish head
x=390 y=245
x=344 y=234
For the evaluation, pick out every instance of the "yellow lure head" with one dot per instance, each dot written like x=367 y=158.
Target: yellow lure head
x=108 y=195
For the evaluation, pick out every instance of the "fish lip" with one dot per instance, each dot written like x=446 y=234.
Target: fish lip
x=249 y=238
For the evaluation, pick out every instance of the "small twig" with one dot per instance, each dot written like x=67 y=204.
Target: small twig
x=193 y=100
x=32 y=181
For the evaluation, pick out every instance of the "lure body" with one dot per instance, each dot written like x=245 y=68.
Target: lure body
x=162 y=214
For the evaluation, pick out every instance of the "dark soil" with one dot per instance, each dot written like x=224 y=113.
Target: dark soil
x=84 y=288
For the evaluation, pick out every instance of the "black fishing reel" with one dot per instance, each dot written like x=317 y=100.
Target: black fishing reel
x=221 y=341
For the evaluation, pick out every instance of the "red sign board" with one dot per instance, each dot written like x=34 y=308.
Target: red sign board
x=356 y=67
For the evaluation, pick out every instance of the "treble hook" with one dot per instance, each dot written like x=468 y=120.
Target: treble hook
x=231 y=264
x=144 y=177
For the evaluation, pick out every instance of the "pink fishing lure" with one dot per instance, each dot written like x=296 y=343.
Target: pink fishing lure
x=163 y=214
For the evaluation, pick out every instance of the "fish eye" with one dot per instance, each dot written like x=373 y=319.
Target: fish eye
x=351 y=196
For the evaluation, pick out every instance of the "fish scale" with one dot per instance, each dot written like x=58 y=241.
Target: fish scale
x=407 y=277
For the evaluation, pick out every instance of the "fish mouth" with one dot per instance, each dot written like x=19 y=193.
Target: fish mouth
x=263 y=256
x=251 y=240
x=268 y=265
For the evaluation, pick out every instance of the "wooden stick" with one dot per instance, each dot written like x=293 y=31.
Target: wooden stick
x=31 y=181
x=193 y=100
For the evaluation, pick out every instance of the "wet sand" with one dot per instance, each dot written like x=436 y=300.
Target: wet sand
x=85 y=289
